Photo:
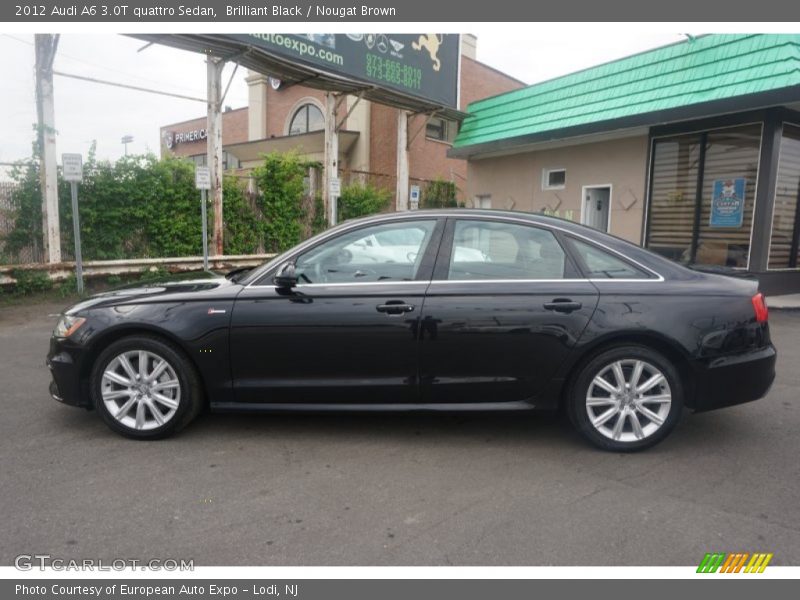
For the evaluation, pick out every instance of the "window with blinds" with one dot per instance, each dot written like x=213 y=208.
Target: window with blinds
x=783 y=249
x=673 y=192
x=687 y=172
x=731 y=154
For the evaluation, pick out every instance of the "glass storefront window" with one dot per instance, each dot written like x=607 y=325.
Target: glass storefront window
x=726 y=220
x=783 y=249
x=702 y=196
x=672 y=197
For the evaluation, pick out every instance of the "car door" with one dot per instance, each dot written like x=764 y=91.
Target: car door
x=504 y=309
x=347 y=332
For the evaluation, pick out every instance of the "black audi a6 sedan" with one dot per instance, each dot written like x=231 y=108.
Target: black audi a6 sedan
x=427 y=310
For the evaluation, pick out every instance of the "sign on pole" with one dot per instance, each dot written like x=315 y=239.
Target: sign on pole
x=414 y=198
x=334 y=191
x=202 y=178
x=72 y=166
x=335 y=186
x=202 y=181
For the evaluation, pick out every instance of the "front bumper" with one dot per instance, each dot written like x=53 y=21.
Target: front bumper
x=736 y=379
x=66 y=385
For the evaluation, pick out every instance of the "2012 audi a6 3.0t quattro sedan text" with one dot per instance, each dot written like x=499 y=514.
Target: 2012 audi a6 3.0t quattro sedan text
x=428 y=310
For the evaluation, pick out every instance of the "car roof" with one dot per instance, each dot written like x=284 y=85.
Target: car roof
x=534 y=218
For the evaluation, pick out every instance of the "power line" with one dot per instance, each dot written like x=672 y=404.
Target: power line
x=127 y=86
x=95 y=65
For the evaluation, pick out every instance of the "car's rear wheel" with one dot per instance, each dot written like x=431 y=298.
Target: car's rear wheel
x=626 y=398
x=145 y=388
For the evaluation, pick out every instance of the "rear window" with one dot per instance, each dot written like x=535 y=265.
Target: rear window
x=601 y=264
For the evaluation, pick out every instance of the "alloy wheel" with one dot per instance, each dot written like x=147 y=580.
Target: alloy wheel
x=140 y=389
x=628 y=400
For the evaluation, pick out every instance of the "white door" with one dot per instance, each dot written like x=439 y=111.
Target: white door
x=596 y=207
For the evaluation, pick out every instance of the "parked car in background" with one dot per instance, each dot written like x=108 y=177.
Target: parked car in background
x=428 y=310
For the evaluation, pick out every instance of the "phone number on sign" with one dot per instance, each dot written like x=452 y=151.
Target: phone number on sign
x=393 y=71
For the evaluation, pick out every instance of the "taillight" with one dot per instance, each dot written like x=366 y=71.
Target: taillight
x=760 y=307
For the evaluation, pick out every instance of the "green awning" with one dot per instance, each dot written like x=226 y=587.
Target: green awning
x=692 y=72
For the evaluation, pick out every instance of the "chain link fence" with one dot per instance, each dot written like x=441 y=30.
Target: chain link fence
x=29 y=253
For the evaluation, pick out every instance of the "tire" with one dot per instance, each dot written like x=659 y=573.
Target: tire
x=130 y=374
x=591 y=403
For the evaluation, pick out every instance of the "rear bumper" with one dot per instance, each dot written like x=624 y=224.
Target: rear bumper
x=736 y=379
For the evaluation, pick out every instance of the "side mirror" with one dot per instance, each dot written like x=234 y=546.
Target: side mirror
x=286 y=277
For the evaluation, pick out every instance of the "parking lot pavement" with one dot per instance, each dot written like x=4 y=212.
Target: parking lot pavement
x=384 y=489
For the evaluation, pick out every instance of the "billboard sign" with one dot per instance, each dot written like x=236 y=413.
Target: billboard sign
x=420 y=65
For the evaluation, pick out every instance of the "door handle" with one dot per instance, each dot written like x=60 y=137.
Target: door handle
x=564 y=305
x=395 y=307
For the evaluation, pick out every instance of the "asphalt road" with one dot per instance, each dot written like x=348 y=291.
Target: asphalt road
x=391 y=489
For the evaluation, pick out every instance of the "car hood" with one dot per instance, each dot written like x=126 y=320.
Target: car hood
x=169 y=288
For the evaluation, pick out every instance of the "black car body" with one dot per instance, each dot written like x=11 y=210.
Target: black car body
x=488 y=310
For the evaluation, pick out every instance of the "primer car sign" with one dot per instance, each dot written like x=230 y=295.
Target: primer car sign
x=72 y=165
x=424 y=65
x=727 y=203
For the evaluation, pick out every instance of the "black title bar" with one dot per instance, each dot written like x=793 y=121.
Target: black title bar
x=376 y=11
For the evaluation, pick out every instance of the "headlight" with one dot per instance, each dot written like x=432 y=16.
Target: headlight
x=67 y=325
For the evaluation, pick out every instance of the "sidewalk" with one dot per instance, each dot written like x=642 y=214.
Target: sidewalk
x=784 y=302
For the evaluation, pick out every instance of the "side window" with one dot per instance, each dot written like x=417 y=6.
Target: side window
x=604 y=265
x=390 y=252
x=496 y=250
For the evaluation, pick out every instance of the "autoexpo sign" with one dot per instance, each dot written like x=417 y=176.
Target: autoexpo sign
x=422 y=65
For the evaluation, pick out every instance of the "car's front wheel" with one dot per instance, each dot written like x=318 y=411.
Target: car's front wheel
x=626 y=398
x=145 y=388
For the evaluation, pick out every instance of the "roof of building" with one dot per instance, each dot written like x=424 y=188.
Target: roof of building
x=694 y=72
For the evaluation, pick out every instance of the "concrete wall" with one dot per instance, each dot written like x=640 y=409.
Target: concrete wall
x=515 y=181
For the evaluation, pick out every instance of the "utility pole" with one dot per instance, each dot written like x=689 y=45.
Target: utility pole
x=331 y=158
x=402 y=160
x=214 y=67
x=45 y=51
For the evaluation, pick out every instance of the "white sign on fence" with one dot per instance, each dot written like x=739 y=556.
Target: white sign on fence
x=73 y=167
x=202 y=178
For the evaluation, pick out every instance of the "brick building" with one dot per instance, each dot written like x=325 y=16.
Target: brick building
x=291 y=117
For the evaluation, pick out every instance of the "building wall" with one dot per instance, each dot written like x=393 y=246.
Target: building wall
x=383 y=142
x=283 y=102
x=427 y=157
x=515 y=181
x=234 y=131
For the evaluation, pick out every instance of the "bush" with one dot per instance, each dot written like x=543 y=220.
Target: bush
x=31 y=282
x=147 y=207
x=281 y=192
x=68 y=287
x=439 y=194
x=359 y=200
x=319 y=221
x=243 y=225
